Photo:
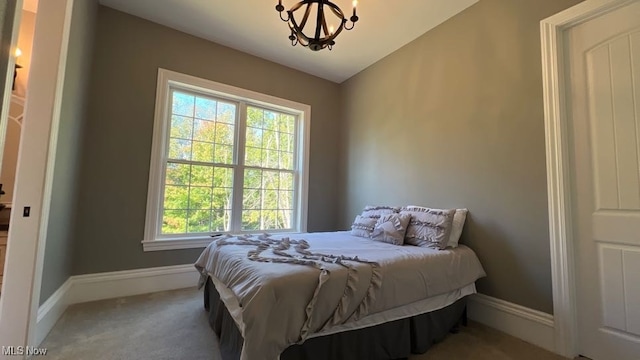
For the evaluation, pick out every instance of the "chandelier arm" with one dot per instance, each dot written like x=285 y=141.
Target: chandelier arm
x=325 y=27
x=307 y=12
x=320 y=22
x=336 y=10
x=287 y=19
x=353 y=24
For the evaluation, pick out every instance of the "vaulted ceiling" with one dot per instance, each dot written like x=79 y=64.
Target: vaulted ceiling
x=253 y=26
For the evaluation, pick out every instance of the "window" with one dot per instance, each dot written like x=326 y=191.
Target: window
x=224 y=160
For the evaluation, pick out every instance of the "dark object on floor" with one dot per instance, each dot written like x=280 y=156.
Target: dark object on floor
x=393 y=340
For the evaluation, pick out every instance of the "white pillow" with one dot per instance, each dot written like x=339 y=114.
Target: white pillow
x=456 y=230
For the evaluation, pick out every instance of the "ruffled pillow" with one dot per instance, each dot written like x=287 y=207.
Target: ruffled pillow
x=391 y=228
x=428 y=227
x=363 y=226
x=377 y=211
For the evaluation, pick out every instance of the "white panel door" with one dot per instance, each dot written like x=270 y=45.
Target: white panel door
x=603 y=65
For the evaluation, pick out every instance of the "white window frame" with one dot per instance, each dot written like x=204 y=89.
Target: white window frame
x=168 y=80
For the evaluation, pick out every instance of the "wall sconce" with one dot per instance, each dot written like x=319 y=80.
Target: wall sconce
x=15 y=69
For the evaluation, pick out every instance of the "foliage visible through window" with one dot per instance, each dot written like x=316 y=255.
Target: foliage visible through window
x=203 y=158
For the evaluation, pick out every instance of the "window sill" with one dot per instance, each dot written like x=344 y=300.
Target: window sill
x=176 y=244
x=191 y=243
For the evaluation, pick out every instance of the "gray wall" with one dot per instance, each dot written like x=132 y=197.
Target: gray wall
x=117 y=138
x=59 y=250
x=455 y=119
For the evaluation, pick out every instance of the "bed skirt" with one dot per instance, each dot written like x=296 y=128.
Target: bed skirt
x=392 y=340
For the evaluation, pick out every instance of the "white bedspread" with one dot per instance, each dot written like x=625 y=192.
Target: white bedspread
x=280 y=304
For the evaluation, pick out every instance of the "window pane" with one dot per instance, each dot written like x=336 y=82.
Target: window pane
x=270 y=140
x=285 y=200
x=226 y=113
x=270 y=199
x=202 y=151
x=270 y=120
x=206 y=108
x=178 y=174
x=286 y=161
x=179 y=149
x=204 y=130
x=252 y=179
x=221 y=220
x=254 y=117
x=224 y=134
x=286 y=142
x=288 y=124
x=253 y=156
x=252 y=199
x=200 y=198
x=270 y=159
x=286 y=181
x=199 y=221
x=251 y=220
x=222 y=177
x=223 y=154
x=270 y=180
x=181 y=127
x=174 y=222
x=183 y=104
x=254 y=137
x=201 y=175
x=176 y=197
x=285 y=219
x=269 y=220
x=222 y=198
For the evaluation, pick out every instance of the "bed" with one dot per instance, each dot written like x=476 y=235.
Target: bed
x=332 y=295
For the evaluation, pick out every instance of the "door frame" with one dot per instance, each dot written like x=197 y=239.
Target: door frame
x=34 y=175
x=555 y=85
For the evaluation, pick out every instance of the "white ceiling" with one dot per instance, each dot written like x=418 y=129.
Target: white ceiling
x=253 y=26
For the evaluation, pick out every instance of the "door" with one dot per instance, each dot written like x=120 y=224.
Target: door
x=603 y=65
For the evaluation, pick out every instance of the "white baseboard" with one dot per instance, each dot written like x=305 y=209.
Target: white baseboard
x=116 y=284
x=101 y=286
x=51 y=310
x=530 y=325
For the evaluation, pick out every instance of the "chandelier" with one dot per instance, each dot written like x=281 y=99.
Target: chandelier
x=323 y=35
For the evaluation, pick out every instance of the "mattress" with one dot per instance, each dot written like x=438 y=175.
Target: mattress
x=331 y=282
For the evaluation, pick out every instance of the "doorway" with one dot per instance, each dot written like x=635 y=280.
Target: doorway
x=591 y=66
x=11 y=126
x=33 y=177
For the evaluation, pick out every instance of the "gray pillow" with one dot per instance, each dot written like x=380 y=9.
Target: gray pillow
x=428 y=227
x=391 y=228
x=363 y=226
x=377 y=211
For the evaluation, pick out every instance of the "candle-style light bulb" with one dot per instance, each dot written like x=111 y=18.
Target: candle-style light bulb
x=331 y=30
x=18 y=52
x=355 y=4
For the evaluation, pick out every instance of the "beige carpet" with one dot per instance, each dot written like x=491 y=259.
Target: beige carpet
x=173 y=325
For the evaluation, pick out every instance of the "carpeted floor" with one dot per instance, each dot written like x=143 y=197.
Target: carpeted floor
x=173 y=325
